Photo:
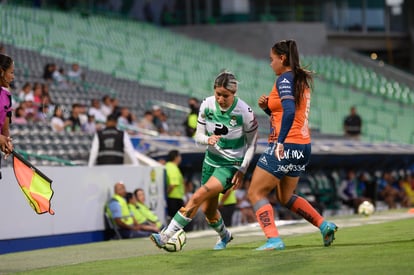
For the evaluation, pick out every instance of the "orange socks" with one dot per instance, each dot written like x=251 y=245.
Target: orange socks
x=266 y=218
x=303 y=208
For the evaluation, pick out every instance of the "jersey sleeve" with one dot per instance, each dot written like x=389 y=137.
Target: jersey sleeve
x=250 y=122
x=200 y=136
x=201 y=114
x=250 y=128
x=285 y=89
x=284 y=85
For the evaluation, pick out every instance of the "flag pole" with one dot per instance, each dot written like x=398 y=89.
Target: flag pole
x=26 y=162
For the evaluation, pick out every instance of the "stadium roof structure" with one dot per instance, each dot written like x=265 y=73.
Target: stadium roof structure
x=326 y=153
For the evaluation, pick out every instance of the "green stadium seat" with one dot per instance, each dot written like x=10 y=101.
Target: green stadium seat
x=160 y=58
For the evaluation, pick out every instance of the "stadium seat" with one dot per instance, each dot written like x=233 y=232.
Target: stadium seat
x=136 y=51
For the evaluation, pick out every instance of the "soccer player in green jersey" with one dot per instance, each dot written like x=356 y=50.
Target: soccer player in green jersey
x=227 y=125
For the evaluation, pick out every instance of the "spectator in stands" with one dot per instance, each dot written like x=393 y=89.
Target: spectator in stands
x=20 y=116
x=137 y=214
x=227 y=206
x=109 y=146
x=243 y=203
x=90 y=126
x=157 y=113
x=42 y=114
x=106 y=106
x=59 y=78
x=58 y=121
x=350 y=192
x=123 y=218
x=37 y=94
x=83 y=114
x=6 y=77
x=75 y=73
x=407 y=184
x=402 y=196
x=144 y=210
x=116 y=108
x=387 y=191
x=47 y=99
x=31 y=110
x=26 y=93
x=126 y=121
x=190 y=123
x=353 y=124
x=367 y=186
x=165 y=128
x=48 y=72
x=2 y=49
x=147 y=122
x=74 y=119
x=45 y=89
x=96 y=111
x=175 y=183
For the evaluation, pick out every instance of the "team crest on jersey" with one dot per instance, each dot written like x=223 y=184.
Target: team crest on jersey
x=285 y=81
x=233 y=121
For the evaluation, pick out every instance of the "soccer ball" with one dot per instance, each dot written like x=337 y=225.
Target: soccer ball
x=366 y=208
x=176 y=242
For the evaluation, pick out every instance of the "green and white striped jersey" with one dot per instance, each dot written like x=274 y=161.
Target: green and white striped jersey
x=233 y=126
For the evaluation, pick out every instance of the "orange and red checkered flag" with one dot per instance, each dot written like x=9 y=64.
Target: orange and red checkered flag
x=36 y=187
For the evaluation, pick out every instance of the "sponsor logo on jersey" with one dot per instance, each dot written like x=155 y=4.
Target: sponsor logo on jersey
x=294 y=154
x=285 y=81
x=221 y=130
x=284 y=87
x=263 y=160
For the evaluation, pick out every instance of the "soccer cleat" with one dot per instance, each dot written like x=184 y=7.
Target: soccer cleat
x=159 y=239
x=222 y=243
x=328 y=230
x=272 y=244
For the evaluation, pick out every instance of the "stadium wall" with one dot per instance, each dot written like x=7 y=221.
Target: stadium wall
x=80 y=194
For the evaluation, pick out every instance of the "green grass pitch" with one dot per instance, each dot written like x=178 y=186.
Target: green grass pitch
x=374 y=245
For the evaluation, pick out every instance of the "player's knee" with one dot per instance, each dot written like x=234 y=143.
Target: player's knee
x=252 y=195
x=196 y=199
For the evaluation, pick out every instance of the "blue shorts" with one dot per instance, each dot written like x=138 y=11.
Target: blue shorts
x=294 y=162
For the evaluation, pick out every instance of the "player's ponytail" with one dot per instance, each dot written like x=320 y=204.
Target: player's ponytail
x=303 y=77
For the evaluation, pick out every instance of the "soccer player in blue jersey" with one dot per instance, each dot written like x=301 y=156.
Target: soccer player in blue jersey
x=227 y=125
